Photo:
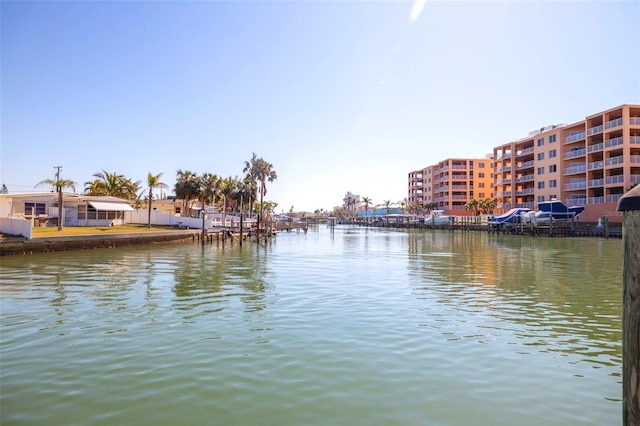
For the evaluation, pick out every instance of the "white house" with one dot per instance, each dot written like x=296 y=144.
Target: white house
x=78 y=210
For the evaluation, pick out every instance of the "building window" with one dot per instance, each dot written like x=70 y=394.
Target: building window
x=35 y=209
x=540 y=170
x=481 y=194
x=481 y=165
x=553 y=183
x=540 y=198
x=540 y=156
x=552 y=168
x=552 y=153
x=540 y=185
x=480 y=175
x=540 y=141
x=481 y=185
x=552 y=138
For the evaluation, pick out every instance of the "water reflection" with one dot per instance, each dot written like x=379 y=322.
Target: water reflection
x=554 y=294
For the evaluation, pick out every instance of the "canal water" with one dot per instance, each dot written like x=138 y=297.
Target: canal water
x=344 y=326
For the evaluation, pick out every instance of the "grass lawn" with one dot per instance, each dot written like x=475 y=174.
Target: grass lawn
x=69 y=231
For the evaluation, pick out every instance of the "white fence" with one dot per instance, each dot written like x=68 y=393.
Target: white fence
x=13 y=226
x=212 y=220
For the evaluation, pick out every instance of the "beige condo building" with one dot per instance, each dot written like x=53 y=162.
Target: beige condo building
x=451 y=183
x=592 y=162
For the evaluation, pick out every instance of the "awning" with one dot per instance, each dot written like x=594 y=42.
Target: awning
x=110 y=206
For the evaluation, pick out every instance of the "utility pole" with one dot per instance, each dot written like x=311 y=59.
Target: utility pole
x=59 y=189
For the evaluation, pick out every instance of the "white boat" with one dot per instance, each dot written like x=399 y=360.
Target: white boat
x=437 y=217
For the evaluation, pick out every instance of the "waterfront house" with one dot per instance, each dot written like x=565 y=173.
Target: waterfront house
x=78 y=210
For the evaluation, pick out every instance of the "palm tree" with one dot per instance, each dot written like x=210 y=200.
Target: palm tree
x=209 y=189
x=113 y=184
x=153 y=181
x=228 y=187
x=431 y=206
x=59 y=185
x=387 y=205
x=187 y=187
x=487 y=205
x=403 y=205
x=472 y=205
x=261 y=171
x=366 y=201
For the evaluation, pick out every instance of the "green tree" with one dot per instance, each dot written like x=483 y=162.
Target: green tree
x=59 y=185
x=366 y=201
x=472 y=205
x=112 y=184
x=153 y=181
x=260 y=172
x=187 y=188
x=387 y=205
x=431 y=206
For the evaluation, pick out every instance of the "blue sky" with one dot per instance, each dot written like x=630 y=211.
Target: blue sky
x=338 y=95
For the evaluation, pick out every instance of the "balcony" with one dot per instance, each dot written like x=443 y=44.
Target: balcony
x=613 y=198
x=575 y=201
x=573 y=186
x=613 y=123
x=635 y=140
x=575 y=153
x=526 y=178
x=577 y=136
x=596 y=182
x=524 y=165
x=524 y=151
x=615 y=160
x=575 y=169
x=635 y=178
x=459 y=177
x=459 y=167
x=596 y=165
x=634 y=120
x=634 y=158
x=596 y=200
x=594 y=130
x=595 y=147
x=612 y=180
x=527 y=191
x=614 y=142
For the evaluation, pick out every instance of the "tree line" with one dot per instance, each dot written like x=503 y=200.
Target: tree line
x=229 y=194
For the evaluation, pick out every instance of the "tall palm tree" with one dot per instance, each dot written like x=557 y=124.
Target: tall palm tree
x=403 y=205
x=228 y=187
x=59 y=185
x=366 y=201
x=260 y=171
x=209 y=191
x=187 y=188
x=153 y=181
x=387 y=205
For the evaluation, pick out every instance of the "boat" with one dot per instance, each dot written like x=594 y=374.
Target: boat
x=557 y=210
x=511 y=217
x=437 y=217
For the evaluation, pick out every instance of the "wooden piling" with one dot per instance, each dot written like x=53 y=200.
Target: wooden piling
x=629 y=204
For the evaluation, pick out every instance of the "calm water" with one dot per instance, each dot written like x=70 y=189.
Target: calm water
x=350 y=327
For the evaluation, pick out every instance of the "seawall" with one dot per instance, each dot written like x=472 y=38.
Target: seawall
x=17 y=246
